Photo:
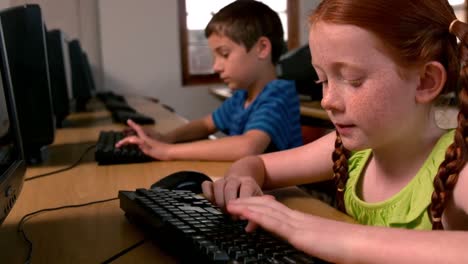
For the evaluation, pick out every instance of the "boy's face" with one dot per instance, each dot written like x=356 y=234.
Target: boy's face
x=368 y=101
x=235 y=66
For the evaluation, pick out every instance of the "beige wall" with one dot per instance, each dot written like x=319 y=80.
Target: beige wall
x=4 y=4
x=78 y=19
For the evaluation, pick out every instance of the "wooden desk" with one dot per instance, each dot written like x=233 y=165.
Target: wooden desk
x=93 y=233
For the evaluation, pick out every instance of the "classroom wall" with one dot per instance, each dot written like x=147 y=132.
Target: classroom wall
x=4 y=4
x=141 y=54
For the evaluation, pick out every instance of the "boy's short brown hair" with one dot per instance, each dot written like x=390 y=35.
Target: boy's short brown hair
x=245 y=21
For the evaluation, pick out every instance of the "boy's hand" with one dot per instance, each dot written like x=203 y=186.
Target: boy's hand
x=130 y=131
x=151 y=147
x=224 y=190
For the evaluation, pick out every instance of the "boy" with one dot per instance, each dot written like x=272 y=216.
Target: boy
x=246 y=38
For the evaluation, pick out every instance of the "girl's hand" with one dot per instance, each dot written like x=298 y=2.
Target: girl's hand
x=298 y=228
x=226 y=189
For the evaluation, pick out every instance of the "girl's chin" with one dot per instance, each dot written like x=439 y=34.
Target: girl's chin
x=353 y=145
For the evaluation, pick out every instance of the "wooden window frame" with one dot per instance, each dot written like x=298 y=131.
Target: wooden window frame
x=197 y=79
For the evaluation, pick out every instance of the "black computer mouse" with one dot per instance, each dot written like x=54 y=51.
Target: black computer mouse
x=182 y=180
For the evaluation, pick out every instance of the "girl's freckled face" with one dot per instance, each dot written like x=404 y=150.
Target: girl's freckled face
x=364 y=94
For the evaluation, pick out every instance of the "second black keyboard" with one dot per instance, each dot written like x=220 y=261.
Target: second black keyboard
x=190 y=227
x=106 y=153
x=121 y=116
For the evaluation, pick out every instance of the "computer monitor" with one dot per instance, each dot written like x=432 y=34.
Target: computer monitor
x=89 y=74
x=12 y=165
x=60 y=74
x=296 y=65
x=24 y=35
x=80 y=83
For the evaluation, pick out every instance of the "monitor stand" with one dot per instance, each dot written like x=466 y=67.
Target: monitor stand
x=36 y=155
x=80 y=104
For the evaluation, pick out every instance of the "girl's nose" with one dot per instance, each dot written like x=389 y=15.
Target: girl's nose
x=332 y=98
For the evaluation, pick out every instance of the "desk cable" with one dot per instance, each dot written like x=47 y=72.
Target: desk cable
x=124 y=251
x=64 y=169
x=30 y=215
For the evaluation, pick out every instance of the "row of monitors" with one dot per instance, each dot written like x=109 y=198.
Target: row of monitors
x=42 y=75
x=48 y=74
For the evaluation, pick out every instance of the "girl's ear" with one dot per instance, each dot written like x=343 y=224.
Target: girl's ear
x=433 y=77
x=263 y=48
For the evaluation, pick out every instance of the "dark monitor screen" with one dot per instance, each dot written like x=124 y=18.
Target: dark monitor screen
x=12 y=165
x=25 y=44
x=82 y=91
x=297 y=65
x=89 y=73
x=59 y=70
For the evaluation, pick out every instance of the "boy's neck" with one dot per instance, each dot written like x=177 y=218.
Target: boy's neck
x=264 y=77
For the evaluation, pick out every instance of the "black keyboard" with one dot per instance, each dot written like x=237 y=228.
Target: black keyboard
x=105 y=96
x=189 y=227
x=115 y=105
x=106 y=153
x=121 y=116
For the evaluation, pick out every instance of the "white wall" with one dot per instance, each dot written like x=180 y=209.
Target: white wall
x=141 y=53
x=4 y=4
x=78 y=20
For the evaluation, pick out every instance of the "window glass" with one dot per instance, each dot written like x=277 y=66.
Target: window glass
x=460 y=9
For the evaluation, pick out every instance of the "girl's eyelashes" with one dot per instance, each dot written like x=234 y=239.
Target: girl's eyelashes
x=321 y=82
x=355 y=82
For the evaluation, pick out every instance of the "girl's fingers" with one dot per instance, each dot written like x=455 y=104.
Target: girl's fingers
x=270 y=222
x=207 y=188
x=267 y=213
x=248 y=190
x=218 y=190
x=231 y=190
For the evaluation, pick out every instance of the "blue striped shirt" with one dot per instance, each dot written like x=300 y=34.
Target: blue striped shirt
x=275 y=111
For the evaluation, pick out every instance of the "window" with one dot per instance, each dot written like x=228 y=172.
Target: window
x=195 y=54
x=460 y=9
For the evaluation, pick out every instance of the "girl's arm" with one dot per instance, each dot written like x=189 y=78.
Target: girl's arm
x=341 y=242
x=249 y=175
x=307 y=164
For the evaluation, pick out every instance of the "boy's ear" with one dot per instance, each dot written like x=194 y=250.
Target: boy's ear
x=263 y=48
x=433 y=77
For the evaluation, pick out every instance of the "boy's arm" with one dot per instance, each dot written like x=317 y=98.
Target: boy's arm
x=194 y=130
x=224 y=149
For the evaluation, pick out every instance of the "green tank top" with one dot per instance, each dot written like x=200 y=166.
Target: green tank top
x=407 y=208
